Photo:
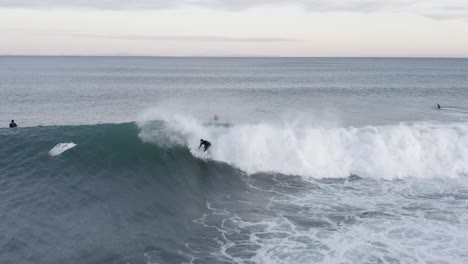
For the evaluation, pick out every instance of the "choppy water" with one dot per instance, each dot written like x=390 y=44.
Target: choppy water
x=313 y=160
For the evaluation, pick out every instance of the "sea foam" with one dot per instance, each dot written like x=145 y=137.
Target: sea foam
x=423 y=150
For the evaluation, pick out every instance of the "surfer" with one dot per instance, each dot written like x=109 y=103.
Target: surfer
x=205 y=143
x=438 y=106
x=216 y=118
x=13 y=124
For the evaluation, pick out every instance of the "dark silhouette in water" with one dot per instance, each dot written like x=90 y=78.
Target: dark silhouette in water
x=204 y=143
x=13 y=124
x=216 y=118
x=438 y=106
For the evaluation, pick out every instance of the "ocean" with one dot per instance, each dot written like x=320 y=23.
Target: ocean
x=313 y=160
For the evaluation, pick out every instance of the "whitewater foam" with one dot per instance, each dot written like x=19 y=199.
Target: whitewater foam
x=358 y=221
x=422 y=150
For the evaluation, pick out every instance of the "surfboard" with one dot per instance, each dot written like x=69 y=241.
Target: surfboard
x=204 y=155
x=60 y=148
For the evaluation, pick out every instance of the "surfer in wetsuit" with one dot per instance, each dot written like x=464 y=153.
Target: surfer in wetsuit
x=438 y=106
x=205 y=143
x=13 y=124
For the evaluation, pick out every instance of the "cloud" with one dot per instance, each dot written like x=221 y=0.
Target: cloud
x=432 y=8
x=158 y=38
x=185 y=38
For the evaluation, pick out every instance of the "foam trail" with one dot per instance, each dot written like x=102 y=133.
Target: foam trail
x=422 y=150
x=60 y=148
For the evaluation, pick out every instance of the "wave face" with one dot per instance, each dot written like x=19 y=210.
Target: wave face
x=421 y=150
x=94 y=201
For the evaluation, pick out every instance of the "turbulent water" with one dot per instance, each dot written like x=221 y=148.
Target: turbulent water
x=312 y=161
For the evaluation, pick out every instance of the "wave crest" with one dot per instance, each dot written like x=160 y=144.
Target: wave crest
x=423 y=150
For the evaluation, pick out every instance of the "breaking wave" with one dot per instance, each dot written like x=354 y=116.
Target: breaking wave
x=423 y=150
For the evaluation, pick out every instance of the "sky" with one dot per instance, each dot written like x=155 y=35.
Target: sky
x=287 y=28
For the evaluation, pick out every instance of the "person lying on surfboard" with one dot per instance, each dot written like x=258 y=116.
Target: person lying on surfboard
x=205 y=143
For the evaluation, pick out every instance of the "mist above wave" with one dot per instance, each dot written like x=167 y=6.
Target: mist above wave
x=423 y=150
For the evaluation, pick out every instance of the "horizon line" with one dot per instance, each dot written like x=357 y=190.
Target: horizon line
x=234 y=56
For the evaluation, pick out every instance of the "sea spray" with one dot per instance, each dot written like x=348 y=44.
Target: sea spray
x=422 y=150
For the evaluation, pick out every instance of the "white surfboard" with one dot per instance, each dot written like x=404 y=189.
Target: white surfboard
x=60 y=148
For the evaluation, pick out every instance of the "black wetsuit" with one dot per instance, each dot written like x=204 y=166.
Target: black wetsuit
x=205 y=143
x=13 y=124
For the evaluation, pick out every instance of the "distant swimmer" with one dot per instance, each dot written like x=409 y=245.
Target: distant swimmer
x=438 y=106
x=13 y=124
x=216 y=118
x=205 y=143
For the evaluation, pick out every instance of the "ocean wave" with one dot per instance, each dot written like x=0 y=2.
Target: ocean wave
x=422 y=150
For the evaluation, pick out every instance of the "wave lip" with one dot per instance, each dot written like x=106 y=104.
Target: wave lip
x=422 y=150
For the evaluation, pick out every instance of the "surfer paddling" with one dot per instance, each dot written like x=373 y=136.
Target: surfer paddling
x=205 y=143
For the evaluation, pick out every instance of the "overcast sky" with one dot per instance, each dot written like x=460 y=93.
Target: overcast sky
x=402 y=28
